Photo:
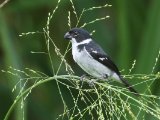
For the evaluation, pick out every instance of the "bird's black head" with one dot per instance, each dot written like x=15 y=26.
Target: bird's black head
x=78 y=34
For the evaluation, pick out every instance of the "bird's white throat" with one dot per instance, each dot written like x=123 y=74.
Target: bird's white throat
x=75 y=43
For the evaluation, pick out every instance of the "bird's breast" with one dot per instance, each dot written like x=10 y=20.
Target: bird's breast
x=76 y=53
x=88 y=64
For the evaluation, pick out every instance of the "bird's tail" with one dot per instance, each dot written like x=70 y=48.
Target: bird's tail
x=130 y=88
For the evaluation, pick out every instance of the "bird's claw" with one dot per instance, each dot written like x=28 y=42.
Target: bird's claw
x=84 y=76
x=91 y=83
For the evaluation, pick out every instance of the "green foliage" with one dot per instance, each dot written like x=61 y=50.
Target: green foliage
x=75 y=99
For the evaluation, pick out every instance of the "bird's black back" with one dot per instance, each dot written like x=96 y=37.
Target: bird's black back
x=97 y=52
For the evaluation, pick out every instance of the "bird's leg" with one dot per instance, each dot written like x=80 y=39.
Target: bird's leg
x=108 y=78
x=103 y=78
x=91 y=83
x=84 y=76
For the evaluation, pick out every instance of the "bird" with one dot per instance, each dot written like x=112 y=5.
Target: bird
x=92 y=59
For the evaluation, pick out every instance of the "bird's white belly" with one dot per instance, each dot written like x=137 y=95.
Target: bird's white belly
x=89 y=65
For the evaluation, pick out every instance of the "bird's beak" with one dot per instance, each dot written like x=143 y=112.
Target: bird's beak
x=67 y=36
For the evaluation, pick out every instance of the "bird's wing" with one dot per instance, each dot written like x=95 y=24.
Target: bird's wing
x=99 y=55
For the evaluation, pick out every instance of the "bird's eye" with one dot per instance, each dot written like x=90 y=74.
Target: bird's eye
x=75 y=33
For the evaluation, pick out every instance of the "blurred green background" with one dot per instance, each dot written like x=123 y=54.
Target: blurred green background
x=132 y=32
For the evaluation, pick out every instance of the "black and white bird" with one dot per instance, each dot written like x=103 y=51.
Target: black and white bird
x=91 y=57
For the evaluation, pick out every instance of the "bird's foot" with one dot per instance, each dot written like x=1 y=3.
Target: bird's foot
x=104 y=78
x=85 y=76
x=90 y=80
x=91 y=83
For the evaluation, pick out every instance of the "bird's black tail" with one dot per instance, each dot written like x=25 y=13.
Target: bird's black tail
x=130 y=88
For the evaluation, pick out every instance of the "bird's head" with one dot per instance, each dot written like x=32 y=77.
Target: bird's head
x=77 y=35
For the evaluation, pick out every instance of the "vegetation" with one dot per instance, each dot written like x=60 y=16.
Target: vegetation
x=43 y=78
